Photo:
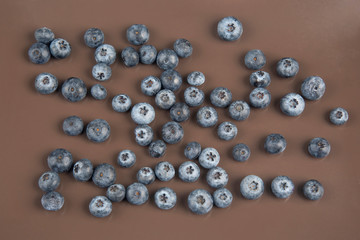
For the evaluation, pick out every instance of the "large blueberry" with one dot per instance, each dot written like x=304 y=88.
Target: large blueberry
x=104 y=175
x=157 y=148
x=313 y=88
x=165 y=99
x=217 y=177
x=229 y=29
x=282 y=187
x=83 y=170
x=251 y=187
x=192 y=150
x=227 y=131
x=52 y=201
x=165 y=198
x=145 y=175
x=239 y=110
x=292 y=104
x=313 y=190
x=167 y=59
x=220 y=97
x=116 y=192
x=172 y=132
x=319 y=147
x=255 y=59
x=189 y=171
x=183 y=48
x=143 y=113
x=200 y=201
x=222 y=198
x=241 y=152
x=260 y=98
x=193 y=96
x=105 y=53
x=209 y=158
x=60 y=48
x=150 y=85
x=49 y=181
x=180 y=112
x=275 y=143
x=101 y=71
x=143 y=135
x=207 y=116
x=74 y=89
x=147 y=54
x=46 y=83
x=171 y=79
x=137 y=34
x=164 y=171
x=287 y=67
x=260 y=79
x=60 y=160
x=339 y=116
x=137 y=194
x=93 y=37
x=121 y=103
x=44 y=35
x=98 y=130
x=98 y=92
x=73 y=125
x=126 y=158
x=130 y=57
x=39 y=53
x=100 y=206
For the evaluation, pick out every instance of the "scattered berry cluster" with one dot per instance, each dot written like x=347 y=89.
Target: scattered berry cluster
x=200 y=201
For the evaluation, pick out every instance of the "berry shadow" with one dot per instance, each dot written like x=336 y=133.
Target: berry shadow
x=299 y=189
x=235 y=186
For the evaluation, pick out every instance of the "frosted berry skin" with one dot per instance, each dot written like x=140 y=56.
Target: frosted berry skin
x=319 y=147
x=60 y=160
x=157 y=148
x=192 y=150
x=93 y=37
x=222 y=198
x=183 y=48
x=313 y=190
x=260 y=79
x=207 y=116
x=121 y=103
x=130 y=57
x=180 y=112
x=147 y=54
x=313 y=88
x=165 y=99
x=98 y=92
x=116 y=192
x=164 y=171
x=165 y=198
x=137 y=194
x=282 y=187
x=142 y=113
x=126 y=158
x=143 y=135
x=239 y=110
x=49 y=181
x=105 y=53
x=200 y=201
x=227 y=131
x=217 y=177
x=292 y=104
x=44 y=35
x=100 y=206
x=145 y=175
x=287 y=67
x=52 y=201
x=172 y=132
x=73 y=126
x=221 y=97
x=83 y=170
x=196 y=78
x=60 y=48
x=209 y=158
x=39 y=53
x=251 y=187
x=255 y=59
x=171 y=79
x=137 y=34
x=260 y=98
x=167 y=59
x=275 y=143
x=229 y=29
x=241 y=152
x=46 y=83
x=104 y=175
x=74 y=89
x=189 y=171
x=339 y=116
x=150 y=85
x=98 y=130
x=101 y=72
x=193 y=96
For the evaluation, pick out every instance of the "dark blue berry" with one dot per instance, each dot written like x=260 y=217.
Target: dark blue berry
x=60 y=160
x=339 y=116
x=93 y=37
x=115 y=192
x=105 y=53
x=137 y=194
x=200 y=201
x=239 y=110
x=98 y=92
x=44 y=35
x=74 y=89
x=164 y=171
x=275 y=143
x=171 y=79
x=165 y=99
x=150 y=85
x=292 y=104
x=157 y=148
x=49 y=181
x=319 y=147
x=255 y=59
x=101 y=71
x=147 y=54
x=100 y=206
x=282 y=187
x=227 y=131
x=121 y=103
x=46 y=83
x=145 y=175
x=260 y=79
x=126 y=158
x=183 y=48
x=222 y=198
x=172 y=132
x=167 y=59
x=207 y=116
x=39 y=53
x=260 y=98
x=165 y=198
x=130 y=57
x=193 y=96
x=60 y=48
x=287 y=67
x=73 y=126
x=313 y=190
x=83 y=170
x=313 y=88
x=98 y=130
x=192 y=150
x=143 y=135
x=52 y=201
x=104 y=175
x=179 y=112
x=221 y=97
x=229 y=29
x=217 y=177
x=241 y=152
x=137 y=34
x=189 y=171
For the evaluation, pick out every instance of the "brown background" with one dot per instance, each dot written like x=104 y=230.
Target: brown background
x=322 y=35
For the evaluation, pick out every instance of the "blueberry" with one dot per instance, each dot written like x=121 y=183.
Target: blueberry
x=157 y=148
x=220 y=97
x=39 y=53
x=121 y=103
x=179 y=112
x=164 y=171
x=165 y=198
x=104 y=175
x=115 y=192
x=339 y=116
x=101 y=71
x=137 y=34
x=105 y=53
x=150 y=85
x=319 y=147
x=260 y=79
x=49 y=181
x=93 y=37
x=46 y=83
x=83 y=170
x=313 y=88
x=292 y=104
x=189 y=171
x=172 y=132
x=183 y=48
x=196 y=78
x=260 y=98
x=130 y=57
x=200 y=201
x=222 y=198
x=287 y=67
x=52 y=201
x=165 y=99
x=171 y=79
x=167 y=59
x=251 y=187
x=275 y=143
x=60 y=48
x=239 y=110
x=209 y=158
x=207 y=116
x=98 y=130
x=192 y=150
x=282 y=187
x=44 y=35
x=217 y=177
x=73 y=126
x=255 y=59
x=143 y=113
x=74 y=89
x=137 y=194
x=241 y=152
x=147 y=54
x=193 y=96
x=60 y=160
x=143 y=135
x=126 y=158
x=100 y=206
x=229 y=29
x=98 y=92
x=313 y=190
x=145 y=175
x=227 y=131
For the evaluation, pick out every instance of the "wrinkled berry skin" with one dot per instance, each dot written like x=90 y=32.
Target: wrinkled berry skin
x=229 y=29
x=150 y=85
x=260 y=79
x=241 y=152
x=145 y=175
x=339 y=116
x=100 y=206
x=220 y=97
x=287 y=67
x=251 y=187
x=143 y=135
x=147 y=54
x=189 y=171
x=171 y=79
x=130 y=57
x=180 y=112
x=116 y=192
x=142 y=113
x=101 y=72
x=200 y=201
x=44 y=35
x=260 y=98
x=239 y=110
x=93 y=37
x=217 y=177
x=275 y=143
x=164 y=171
x=183 y=48
x=98 y=130
x=165 y=99
x=121 y=103
x=137 y=34
x=60 y=160
x=209 y=158
x=282 y=187
x=126 y=158
x=192 y=150
x=207 y=116
x=83 y=170
x=167 y=59
x=46 y=83
x=49 y=181
x=222 y=198
x=60 y=48
x=98 y=92
x=105 y=53
x=196 y=78
x=255 y=59
x=52 y=201
x=73 y=126
x=74 y=89
x=172 y=132
x=313 y=88
x=292 y=104
x=319 y=147
x=193 y=96
x=157 y=148
x=104 y=175
x=165 y=198
x=313 y=190
x=39 y=53
x=227 y=131
x=137 y=194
